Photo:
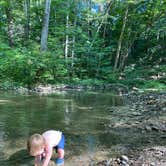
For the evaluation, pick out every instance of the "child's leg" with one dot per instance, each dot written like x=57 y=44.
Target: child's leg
x=60 y=159
x=60 y=153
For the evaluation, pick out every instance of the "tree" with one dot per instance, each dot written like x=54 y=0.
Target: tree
x=27 y=18
x=9 y=16
x=44 y=34
x=120 y=39
x=67 y=33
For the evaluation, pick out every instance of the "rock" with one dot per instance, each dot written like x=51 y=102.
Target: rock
x=152 y=164
x=148 y=128
x=124 y=158
x=164 y=109
x=102 y=163
x=52 y=163
x=136 y=113
x=154 y=156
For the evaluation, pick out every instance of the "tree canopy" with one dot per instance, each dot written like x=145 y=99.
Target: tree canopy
x=44 y=41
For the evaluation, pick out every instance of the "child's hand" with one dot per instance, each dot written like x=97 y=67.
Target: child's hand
x=39 y=163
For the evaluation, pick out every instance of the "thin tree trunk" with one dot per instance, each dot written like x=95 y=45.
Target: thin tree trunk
x=128 y=48
x=89 y=21
x=10 y=24
x=73 y=52
x=67 y=37
x=158 y=35
x=120 y=40
x=44 y=34
x=102 y=21
x=27 y=16
x=125 y=56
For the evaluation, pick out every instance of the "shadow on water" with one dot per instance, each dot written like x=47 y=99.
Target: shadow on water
x=20 y=158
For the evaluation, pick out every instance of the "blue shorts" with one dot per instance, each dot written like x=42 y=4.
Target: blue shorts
x=61 y=143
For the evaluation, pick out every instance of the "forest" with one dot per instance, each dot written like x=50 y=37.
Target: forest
x=83 y=42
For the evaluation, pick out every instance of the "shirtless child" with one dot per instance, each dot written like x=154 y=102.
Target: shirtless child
x=41 y=147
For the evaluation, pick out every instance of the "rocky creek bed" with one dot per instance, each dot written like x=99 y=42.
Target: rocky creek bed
x=146 y=113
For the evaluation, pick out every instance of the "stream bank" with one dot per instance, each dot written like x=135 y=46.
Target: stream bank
x=146 y=113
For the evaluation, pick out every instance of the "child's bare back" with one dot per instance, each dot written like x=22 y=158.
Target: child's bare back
x=41 y=147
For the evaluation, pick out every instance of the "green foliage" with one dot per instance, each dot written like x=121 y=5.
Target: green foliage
x=92 y=43
x=146 y=78
x=154 y=85
x=29 y=67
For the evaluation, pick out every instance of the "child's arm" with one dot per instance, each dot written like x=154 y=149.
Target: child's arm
x=48 y=156
x=38 y=160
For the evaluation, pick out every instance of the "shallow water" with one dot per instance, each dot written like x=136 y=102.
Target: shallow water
x=82 y=116
x=77 y=114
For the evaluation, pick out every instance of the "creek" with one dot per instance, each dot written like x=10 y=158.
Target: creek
x=92 y=122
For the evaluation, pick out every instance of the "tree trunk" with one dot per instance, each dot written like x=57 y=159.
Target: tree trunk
x=127 y=50
x=10 y=24
x=120 y=40
x=73 y=52
x=44 y=34
x=67 y=37
x=105 y=15
x=27 y=16
x=124 y=57
x=89 y=21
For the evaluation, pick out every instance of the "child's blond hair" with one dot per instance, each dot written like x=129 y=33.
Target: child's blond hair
x=35 y=142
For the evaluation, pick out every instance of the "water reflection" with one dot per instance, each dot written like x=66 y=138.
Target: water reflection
x=78 y=114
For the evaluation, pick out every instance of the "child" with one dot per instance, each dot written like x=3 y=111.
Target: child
x=41 y=147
